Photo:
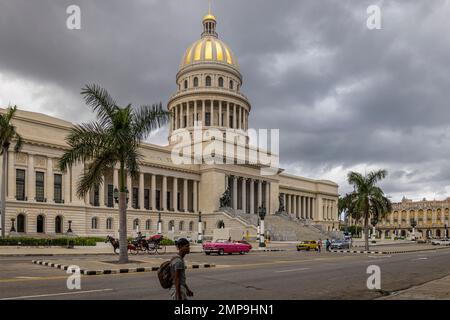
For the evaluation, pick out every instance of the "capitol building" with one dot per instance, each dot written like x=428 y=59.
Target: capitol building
x=42 y=200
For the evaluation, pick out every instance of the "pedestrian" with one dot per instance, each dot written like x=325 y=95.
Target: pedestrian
x=179 y=289
x=327 y=245
x=319 y=245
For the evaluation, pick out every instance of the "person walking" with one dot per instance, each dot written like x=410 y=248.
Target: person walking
x=179 y=289
x=319 y=245
x=327 y=245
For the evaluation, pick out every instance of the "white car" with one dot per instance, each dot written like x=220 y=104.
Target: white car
x=441 y=242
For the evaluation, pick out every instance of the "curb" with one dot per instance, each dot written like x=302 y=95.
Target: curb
x=270 y=250
x=115 y=271
x=386 y=252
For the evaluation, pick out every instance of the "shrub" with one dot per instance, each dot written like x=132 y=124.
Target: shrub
x=63 y=241
x=167 y=242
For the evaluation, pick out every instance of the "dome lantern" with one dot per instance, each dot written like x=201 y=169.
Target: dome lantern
x=209 y=26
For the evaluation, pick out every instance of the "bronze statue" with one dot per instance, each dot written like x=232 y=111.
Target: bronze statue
x=225 y=200
x=281 y=201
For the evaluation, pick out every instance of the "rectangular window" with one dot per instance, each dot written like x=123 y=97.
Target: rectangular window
x=110 y=195
x=57 y=188
x=20 y=184
x=39 y=186
x=207 y=119
x=184 y=121
x=158 y=199
x=96 y=197
x=135 y=198
x=168 y=206
x=147 y=199
x=178 y=201
x=231 y=122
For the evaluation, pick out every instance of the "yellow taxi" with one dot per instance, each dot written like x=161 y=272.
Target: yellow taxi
x=308 y=245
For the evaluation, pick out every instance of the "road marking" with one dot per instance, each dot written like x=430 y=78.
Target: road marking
x=291 y=270
x=424 y=258
x=56 y=294
x=24 y=277
x=32 y=279
x=383 y=256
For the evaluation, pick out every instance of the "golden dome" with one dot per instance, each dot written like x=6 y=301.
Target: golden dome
x=209 y=49
x=209 y=16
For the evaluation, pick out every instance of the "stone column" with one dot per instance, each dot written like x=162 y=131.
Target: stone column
x=141 y=191
x=211 y=106
x=288 y=203
x=66 y=189
x=185 y=195
x=252 y=196
x=194 y=202
x=195 y=111
x=235 y=194
x=228 y=115
x=259 y=200
x=313 y=209
x=244 y=194
x=31 y=192
x=267 y=204
x=164 y=194
x=50 y=181
x=304 y=207
x=234 y=116
x=175 y=194
x=11 y=176
x=220 y=114
x=101 y=194
x=153 y=192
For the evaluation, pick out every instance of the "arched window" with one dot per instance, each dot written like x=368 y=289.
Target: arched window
x=58 y=224
x=208 y=81
x=40 y=224
x=181 y=226
x=191 y=226
x=94 y=223
x=135 y=224
x=21 y=223
x=109 y=224
x=148 y=224
x=171 y=225
x=221 y=82
x=185 y=84
x=231 y=84
x=195 y=82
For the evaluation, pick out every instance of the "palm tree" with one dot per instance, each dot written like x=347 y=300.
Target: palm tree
x=8 y=133
x=367 y=199
x=113 y=139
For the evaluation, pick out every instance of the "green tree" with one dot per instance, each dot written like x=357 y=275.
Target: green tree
x=8 y=133
x=367 y=199
x=113 y=139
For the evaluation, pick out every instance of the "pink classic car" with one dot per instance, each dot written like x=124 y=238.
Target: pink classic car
x=224 y=246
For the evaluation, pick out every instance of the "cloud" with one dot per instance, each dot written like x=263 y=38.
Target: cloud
x=344 y=97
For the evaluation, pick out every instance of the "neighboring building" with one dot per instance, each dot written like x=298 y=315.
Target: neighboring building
x=431 y=218
x=43 y=200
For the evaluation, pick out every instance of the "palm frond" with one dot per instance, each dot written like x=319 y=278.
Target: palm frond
x=148 y=118
x=101 y=102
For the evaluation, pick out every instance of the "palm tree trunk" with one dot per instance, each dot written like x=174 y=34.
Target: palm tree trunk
x=366 y=230
x=123 y=242
x=3 y=195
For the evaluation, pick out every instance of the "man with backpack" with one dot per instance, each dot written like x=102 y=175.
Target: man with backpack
x=172 y=274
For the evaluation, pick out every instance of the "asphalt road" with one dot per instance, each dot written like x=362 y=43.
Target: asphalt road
x=271 y=275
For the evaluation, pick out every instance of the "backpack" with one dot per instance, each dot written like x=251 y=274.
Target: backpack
x=165 y=274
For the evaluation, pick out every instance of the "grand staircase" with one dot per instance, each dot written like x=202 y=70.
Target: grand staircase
x=281 y=227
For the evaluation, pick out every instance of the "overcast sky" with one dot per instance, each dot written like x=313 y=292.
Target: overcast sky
x=344 y=97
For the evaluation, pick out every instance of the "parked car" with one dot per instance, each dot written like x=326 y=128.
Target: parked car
x=441 y=242
x=340 y=244
x=307 y=245
x=224 y=246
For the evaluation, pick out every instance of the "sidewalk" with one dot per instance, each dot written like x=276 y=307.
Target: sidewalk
x=434 y=290
x=10 y=251
x=393 y=249
x=109 y=265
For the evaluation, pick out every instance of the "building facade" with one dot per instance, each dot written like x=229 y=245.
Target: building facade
x=430 y=218
x=41 y=200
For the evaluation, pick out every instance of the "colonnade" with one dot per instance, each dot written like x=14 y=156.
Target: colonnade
x=248 y=194
x=302 y=207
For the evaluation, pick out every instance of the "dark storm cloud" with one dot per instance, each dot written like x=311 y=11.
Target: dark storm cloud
x=343 y=96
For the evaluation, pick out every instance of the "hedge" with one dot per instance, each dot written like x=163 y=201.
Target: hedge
x=78 y=241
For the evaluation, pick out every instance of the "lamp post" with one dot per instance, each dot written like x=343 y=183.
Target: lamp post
x=13 y=228
x=413 y=225
x=200 y=235
x=257 y=231
x=262 y=214
x=159 y=224
x=116 y=194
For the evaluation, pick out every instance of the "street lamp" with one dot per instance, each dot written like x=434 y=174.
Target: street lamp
x=116 y=194
x=446 y=231
x=413 y=225
x=262 y=214
x=13 y=228
x=159 y=224
x=199 y=237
